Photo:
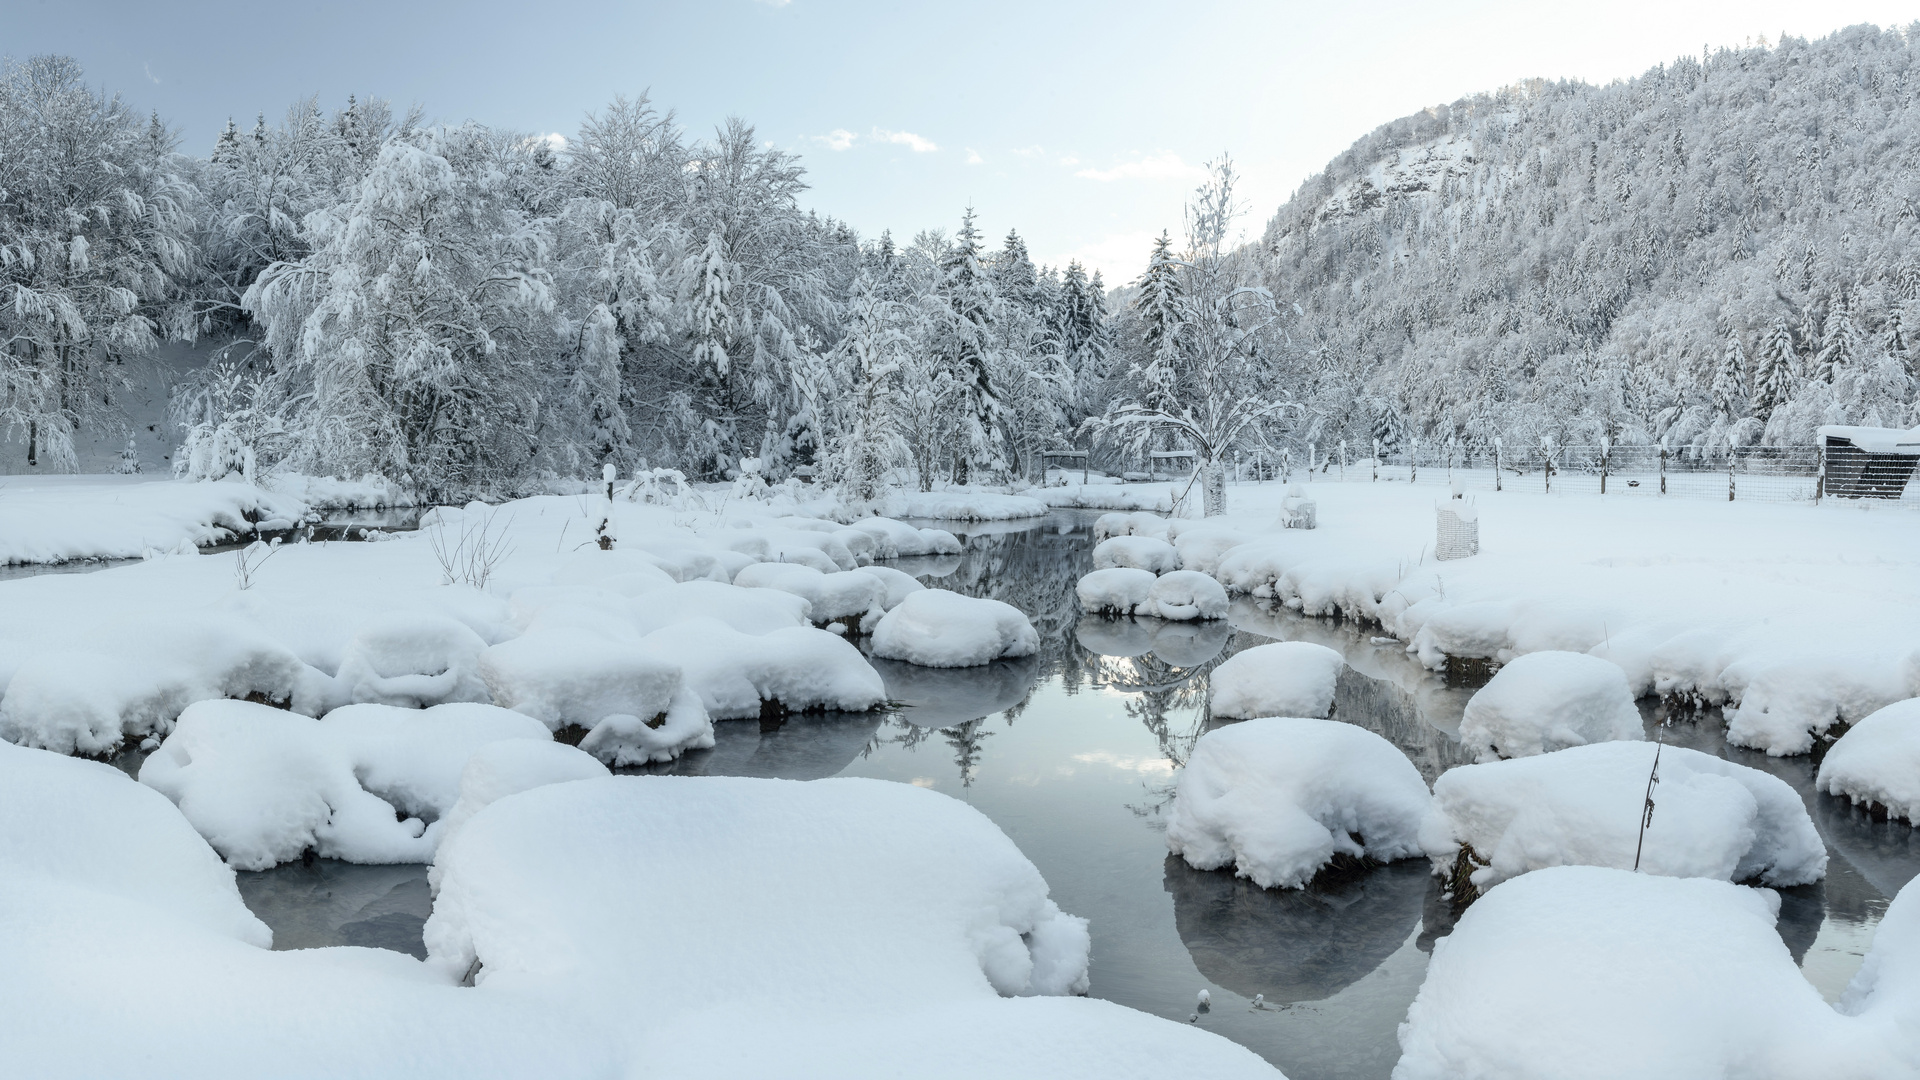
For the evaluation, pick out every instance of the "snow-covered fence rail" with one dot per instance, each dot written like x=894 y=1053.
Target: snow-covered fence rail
x=1799 y=473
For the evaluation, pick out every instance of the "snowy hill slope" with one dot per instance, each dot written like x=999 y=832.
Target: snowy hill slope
x=1722 y=248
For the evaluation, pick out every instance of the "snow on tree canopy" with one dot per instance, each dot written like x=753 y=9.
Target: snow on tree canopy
x=1276 y=799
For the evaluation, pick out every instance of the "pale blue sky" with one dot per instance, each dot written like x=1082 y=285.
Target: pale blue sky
x=1083 y=124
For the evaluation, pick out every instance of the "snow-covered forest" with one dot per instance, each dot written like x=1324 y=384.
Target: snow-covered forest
x=1713 y=254
x=1722 y=249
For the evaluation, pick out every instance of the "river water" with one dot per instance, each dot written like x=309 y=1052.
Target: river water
x=1073 y=753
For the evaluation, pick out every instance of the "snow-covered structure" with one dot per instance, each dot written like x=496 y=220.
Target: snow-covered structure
x=1285 y=678
x=1547 y=701
x=1711 y=818
x=1278 y=799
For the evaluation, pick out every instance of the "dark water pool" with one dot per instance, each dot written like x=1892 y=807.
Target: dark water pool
x=1073 y=753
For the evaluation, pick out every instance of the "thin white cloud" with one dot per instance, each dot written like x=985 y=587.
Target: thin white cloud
x=973 y=156
x=1030 y=151
x=837 y=139
x=1165 y=166
x=151 y=77
x=905 y=138
x=555 y=141
x=1069 y=161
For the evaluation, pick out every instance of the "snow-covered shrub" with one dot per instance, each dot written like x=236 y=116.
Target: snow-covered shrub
x=413 y=661
x=797 y=668
x=838 y=596
x=937 y=628
x=1286 y=678
x=1183 y=595
x=1590 y=973
x=1278 y=798
x=1712 y=818
x=1877 y=762
x=1547 y=701
x=1139 y=552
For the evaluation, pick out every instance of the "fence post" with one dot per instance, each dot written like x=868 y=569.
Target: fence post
x=1286 y=466
x=1819 y=471
x=1729 y=474
x=1663 y=468
x=1310 y=462
x=1413 y=463
x=1376 y=461
x=1546 y=464
x=1496 y=463
x=1606 y=451
x=1343 y=459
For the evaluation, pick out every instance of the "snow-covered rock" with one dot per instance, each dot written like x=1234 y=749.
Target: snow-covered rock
x=1184 y=595
x=899 y=540
x=1550 y=700
x=146 y=672
x=937 y=628
x=750 y=611
x=1139 y=552
x=832 y=597
x=1877 y=762
x=499 y=769
x=414 y=758
x=964 y=505
x=775 y=544
x=263 y=785
x=870 y=928
x=1581 y=972
x=89 y=825
x=628 y=571
x=1286 y=678
x=1278 y=798
x=1139 y=523
x=1117 y=590
x=895 y=584
x=635 y=706
x=797 y=668
x=1711 y=818
x=413 y=660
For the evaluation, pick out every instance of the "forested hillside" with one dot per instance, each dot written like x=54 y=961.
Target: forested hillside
x=1723 y=249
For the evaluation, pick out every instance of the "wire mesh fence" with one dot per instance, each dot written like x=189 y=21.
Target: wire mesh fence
x=1800 y=473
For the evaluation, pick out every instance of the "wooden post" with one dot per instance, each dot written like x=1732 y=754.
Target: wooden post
x=1376 y=461
x=1310 y=462
x=1496 y=463
x=1546 y=463
x=1606 y=449
x=1663 y=468
x=1286 y=465
x=1819 y=471
x=1413 y=463
x=1729 y=474
x=1343 y=459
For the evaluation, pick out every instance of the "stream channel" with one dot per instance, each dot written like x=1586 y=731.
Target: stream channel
x=1073 y=753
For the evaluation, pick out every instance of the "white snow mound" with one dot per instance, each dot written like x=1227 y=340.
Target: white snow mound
x=1711 y=818
x=1278 y=798
x=842 y=595
x=937 y=628
x=413 y=661
x=798 y=668
x=1546 y=701
x=1878 y=761
x=1286 y=678
x=1139 y=552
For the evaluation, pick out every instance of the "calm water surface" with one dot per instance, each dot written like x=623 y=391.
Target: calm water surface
x=1073 y=753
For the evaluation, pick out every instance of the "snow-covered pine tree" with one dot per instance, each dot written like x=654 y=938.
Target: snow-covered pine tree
x=1773 y=383
x=1730 y=381
x=962 y=344
x=865 y=441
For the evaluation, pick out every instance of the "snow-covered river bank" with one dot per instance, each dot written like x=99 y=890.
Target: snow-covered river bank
x=1073 y=752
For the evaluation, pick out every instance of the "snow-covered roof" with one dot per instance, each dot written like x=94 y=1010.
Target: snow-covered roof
x=1876 y=440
